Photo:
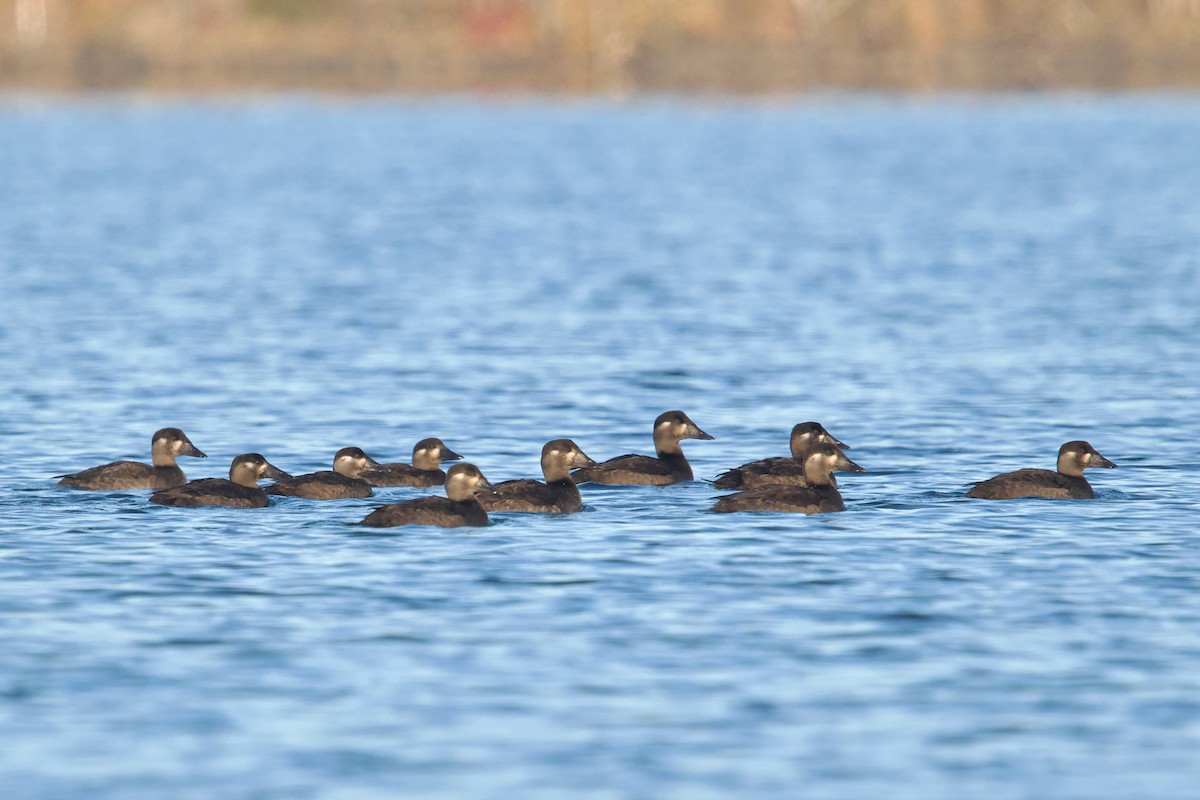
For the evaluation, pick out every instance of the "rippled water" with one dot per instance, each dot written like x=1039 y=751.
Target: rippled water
x=954 y=287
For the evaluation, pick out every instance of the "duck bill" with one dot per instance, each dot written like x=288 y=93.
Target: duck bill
x=275 y=472
x=846 y=465
x=695 y=433
x=450 y=455
x=1098 y=460
x=582 y=460
x=482 y=487
x=840 y=445
x=190 y=449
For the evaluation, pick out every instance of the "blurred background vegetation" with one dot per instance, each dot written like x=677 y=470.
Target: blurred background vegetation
x=598 y=45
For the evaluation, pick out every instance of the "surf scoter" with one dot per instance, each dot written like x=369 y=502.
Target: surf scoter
x=165 y=446
x=820 y=496
x=1067 y=483
x=779 y=469
x=339 y=484
x=425 y=469
x=668 y=467
x=558 y=495
x=240 y=491
x=460 y=507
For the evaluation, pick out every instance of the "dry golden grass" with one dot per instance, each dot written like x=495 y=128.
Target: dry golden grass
x=599 y=45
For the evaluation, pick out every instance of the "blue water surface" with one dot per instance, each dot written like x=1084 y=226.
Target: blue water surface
x=953 y=286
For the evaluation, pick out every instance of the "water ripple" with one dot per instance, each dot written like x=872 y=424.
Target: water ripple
x=291 y=276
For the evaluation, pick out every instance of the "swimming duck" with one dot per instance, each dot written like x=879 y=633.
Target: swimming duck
x=779 y=469
x=459 y=508
x=240 y=491
x=339 y=484
x=1067 y=483
x=165 y=446
x=558 y=495
x=425 y=470
x=820 y=496
x=668 y=467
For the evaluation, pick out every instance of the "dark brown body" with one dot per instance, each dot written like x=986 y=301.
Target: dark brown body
x=798 y=499
x=121 y=475
x=404 y=475
x=425 y=469
x=820 y=496
x=638 y=470
x=667 y=467
x=460 y=508
x=790 y=471
x=340 y=483
x=212 y=492
x=768 y=471
x=555 y=497
x=324 y=485
x=165 y=446
x=440 y=511
x=558 y=495
x=1033 y=483
x=1066 y=483
x=240 y=491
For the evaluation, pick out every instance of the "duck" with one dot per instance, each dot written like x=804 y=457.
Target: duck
x=558 y=495
x=341 y=483
x=459 y=508
x=780 y=469
x=819 y=496
x=668 y=466
x=240 y=491
x=425 y=469
x=163 y=473
x=1065 y=483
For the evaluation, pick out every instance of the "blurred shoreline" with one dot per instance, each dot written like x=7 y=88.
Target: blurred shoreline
x=582 y=47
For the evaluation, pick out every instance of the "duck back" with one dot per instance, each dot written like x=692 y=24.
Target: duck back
x=324 y=485
x=556 y=497
x=765 y=472
x=639 y=470
x=212 y=492
x=795 y=499
x=403 y=475
x=439 y=511
x=120 y=475
x=1033 y=483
